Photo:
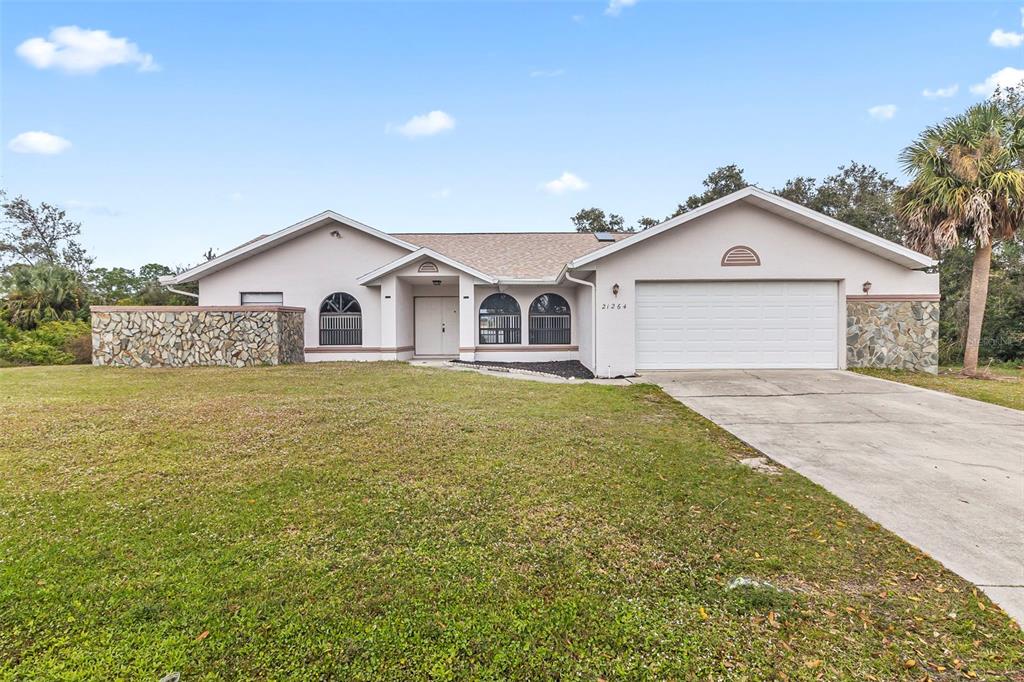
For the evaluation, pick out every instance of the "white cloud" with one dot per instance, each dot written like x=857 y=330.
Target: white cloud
x=941 y=92
x=615 y=7
x=428 y=124
x=77 y=50
x=550 y=73
x=578 y=18
x=882 y=112
x=38 y=142
x=442 y=193
x=1003 y=78
x=1001 y=38
x=235 y=196
x=89 y=207
x=566 y=182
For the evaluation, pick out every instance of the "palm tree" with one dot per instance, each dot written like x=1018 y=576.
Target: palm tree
x=967 y=187
x=41 y=293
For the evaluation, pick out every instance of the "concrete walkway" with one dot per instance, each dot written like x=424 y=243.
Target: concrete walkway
x=945 y=473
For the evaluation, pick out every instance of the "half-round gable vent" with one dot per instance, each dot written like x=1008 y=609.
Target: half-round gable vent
x=427 y=266
x=740 y=255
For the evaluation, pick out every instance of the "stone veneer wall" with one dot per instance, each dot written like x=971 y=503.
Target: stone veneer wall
x=893 y=334
x=188 y=336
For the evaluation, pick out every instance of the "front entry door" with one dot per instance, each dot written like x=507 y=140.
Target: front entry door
x=437 y=325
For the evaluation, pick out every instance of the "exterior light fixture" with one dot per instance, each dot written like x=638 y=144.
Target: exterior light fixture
x=336 y=234
x=866 y=287
x=615 y=289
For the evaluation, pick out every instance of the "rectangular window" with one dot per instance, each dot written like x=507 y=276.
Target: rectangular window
x=496 y=329
x=550 y=329
x=262 y=298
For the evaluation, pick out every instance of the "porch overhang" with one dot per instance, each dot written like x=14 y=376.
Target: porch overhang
x=374 y=276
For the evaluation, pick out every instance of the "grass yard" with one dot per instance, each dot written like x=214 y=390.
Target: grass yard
x=379 y=521
x=1006 y=387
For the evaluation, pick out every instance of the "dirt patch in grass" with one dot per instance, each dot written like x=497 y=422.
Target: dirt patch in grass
x=377 y=521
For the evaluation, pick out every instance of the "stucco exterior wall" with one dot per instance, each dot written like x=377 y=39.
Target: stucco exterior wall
x=525 y=352
x=693 y=251
x=307 y=269
x=190 y=336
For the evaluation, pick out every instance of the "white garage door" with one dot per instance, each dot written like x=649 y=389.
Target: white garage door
x=692 y=325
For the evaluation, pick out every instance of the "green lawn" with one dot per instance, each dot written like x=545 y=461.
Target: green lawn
x=381 y=521
x=1006 y=387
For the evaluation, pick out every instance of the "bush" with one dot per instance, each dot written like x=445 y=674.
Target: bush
x=80 y=348
x=32 y=352
x=51 y=343
x=58 y=334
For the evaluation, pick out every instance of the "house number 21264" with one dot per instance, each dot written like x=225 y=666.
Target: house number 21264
x=613 y=306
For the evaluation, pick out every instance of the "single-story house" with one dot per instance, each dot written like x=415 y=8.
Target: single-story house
x=748 y=281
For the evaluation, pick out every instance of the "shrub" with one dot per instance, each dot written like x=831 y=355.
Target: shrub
x=32 y=352
x=57 y=334
x=80 y=348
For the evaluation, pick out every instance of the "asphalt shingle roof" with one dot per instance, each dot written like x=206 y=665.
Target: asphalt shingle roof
x=523 y=255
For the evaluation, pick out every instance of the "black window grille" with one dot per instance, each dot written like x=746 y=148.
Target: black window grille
x=550 y=320
x=341 y=321
x=500 y=321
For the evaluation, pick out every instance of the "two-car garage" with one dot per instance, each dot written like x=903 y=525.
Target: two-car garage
x=737 y=324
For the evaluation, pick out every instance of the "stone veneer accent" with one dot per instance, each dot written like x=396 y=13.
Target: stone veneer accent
x=188 y=336
x=895 y=334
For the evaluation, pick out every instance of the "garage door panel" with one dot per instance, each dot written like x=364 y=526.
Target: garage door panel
x=690 y=325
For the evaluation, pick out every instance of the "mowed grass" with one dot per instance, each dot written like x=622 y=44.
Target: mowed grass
x=1005 y=386
x=379 y=521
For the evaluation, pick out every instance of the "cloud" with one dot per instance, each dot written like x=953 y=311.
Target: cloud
x=428 y=124
x=615 y=7
x=1001 y=38
x=235 y=196
x=941 y=92
x=578 y=18
x=550 y=73
x=566 y=182
x=882 y=112
x=1003 y=78
x=38 y=142
x=442 y=193
x=89 y=207
x=77 y=50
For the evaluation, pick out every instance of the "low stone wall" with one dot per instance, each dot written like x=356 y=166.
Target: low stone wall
x=893 y=334
x=189 y=336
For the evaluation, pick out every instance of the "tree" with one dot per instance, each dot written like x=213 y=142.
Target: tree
x=967 y=188
x=719 y=183
x=113 y=286
x=41 y=293
x=40 y=234
x=858 y=194
x=595 y=220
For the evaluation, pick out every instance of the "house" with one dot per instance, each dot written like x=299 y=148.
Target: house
x=748 y=281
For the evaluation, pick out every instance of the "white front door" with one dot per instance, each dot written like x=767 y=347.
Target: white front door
x=437 y=325
x=725 y=325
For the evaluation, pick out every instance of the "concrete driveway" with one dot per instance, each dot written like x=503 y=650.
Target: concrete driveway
x=945 y=473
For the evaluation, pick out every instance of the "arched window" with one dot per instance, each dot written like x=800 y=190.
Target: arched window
x=549 y=320
x=341 y=321
x=500 y=321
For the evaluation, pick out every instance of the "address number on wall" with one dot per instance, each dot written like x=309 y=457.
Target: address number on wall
x=613 y=306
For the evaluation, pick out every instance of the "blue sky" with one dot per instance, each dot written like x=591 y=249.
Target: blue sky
x=212 y=123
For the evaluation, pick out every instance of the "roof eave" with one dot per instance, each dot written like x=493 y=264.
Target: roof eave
x=370 y=278
x=264 y=243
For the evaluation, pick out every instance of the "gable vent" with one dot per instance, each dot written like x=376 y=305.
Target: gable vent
x=427 y=266
x=604 y=236
x=740 y=255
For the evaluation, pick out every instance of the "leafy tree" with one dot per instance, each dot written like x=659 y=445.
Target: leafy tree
x=40 y=234
x=116 y=285
x=858 y=194
x=967 y=189
x=595 y=220
x=41 y=293
x=719 y=183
